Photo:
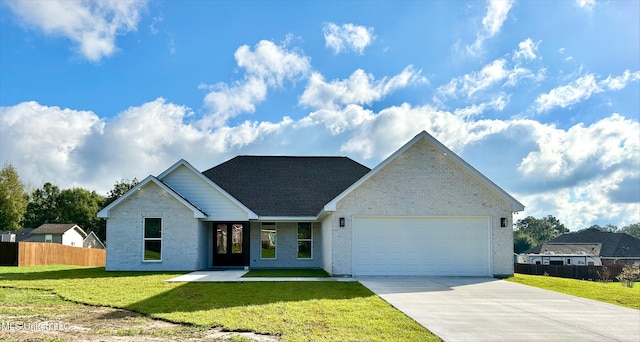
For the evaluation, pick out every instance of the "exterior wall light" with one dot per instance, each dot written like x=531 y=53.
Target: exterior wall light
x=503 y=222
x=341 y=221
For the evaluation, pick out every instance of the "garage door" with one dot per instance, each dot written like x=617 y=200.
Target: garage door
x=458 y=246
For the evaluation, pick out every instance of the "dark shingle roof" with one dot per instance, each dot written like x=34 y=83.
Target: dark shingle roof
x=286 y=186
x=613 y=244
x=53 y=228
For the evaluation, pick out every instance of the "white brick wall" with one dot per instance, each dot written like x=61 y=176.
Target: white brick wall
x=422 y=182
x=180 y=233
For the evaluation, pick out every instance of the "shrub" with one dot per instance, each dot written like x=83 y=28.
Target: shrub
x=629 y=275
x=604 y=274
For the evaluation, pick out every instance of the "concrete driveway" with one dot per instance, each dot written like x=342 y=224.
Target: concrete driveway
x=487 y=309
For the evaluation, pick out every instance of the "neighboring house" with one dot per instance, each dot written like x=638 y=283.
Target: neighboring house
x=24 y=235
x=605 y=247
x=7 y=236
x=64 y=233
x=92 y=241
x=422 y=211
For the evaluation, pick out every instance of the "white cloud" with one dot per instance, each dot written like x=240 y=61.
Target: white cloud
x=92 y=25
x=586 y=4
x=360 y=88
x=497 y=11
x=574 y=154
x=41 y=141
x=271 y=62
x=582 y=89
x=347 y=37
x=526 y=49
x=617 y=83
x=497 y=72
x=267 y=65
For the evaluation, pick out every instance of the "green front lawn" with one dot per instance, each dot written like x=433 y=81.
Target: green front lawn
x=319 y=311
x=305 y=272
x=610 y=292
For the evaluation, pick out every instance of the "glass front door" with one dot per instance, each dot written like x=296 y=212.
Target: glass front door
x=230 y=243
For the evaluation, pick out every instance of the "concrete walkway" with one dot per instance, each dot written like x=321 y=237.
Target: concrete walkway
x=236 y=276
x=487 y=309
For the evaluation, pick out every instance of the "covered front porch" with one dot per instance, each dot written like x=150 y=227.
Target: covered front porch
x=263 y=244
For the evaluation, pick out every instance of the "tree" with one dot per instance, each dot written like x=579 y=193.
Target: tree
x=538 y=231
x=13 y=198
x=632 y=229
x=52 y=205
x=80 y=206
x=521 y=241
x=610 y=228
x=43 y=206
x=120 y=188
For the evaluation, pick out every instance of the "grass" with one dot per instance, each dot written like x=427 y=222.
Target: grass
x=319 y=311
x=609 y=292
x=307 y=272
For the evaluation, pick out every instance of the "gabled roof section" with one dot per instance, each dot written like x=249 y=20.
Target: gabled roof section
x=613 y=244
x=197 y=213
x=57 y=228
x=515 y=205
x=209 y=181
x=564 y=248
x=284 y=186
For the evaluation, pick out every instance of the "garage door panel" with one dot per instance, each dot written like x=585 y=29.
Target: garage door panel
x=421 y=246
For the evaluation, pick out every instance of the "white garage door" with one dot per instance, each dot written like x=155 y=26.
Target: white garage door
x=458 y=246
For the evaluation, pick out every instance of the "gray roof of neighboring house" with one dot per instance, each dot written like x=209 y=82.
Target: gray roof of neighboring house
x=564 y=248
x=24 y=234
x=54 y=228
x=286 y=186
x=613 y=244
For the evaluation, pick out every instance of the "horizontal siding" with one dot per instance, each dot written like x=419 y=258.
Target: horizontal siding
x=204 y=196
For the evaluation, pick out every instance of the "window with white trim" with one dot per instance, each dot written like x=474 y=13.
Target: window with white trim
x=48 y=238
x=152 y=239
x=305 y=240
x=268 y=239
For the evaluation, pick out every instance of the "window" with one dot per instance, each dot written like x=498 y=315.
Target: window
x=268 y=239
x=305 y=241
x=48 y=238
x=152 y=239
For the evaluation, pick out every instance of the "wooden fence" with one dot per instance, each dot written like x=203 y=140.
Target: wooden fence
x=571 y=271
x=39 y=253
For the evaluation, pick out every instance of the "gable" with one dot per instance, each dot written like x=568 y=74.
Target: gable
x=197 y=212
x=429 y=170
x=206 y=196
x=286 y=186
x=424 y=181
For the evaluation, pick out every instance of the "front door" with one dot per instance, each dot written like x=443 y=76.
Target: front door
x=230 y=243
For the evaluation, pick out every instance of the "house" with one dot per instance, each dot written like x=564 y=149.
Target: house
x=421 y=211
x=21 y=235
x=605 y=248
x=69 y=234
x=92 y=241
x=7 y=236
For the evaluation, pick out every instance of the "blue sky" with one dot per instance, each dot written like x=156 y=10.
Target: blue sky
x=542 y=97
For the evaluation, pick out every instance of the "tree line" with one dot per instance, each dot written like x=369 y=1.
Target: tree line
x=20 y=208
